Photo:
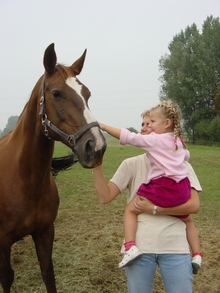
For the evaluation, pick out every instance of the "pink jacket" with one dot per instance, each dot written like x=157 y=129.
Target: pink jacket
x=164 y=159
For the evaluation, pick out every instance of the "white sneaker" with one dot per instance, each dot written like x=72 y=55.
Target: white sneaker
x=196 y=263
x=129 y=256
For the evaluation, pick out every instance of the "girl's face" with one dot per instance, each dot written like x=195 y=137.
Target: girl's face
x=158 y=122
x=145 y=126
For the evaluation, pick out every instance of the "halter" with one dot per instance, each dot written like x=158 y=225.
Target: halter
x=72 y=138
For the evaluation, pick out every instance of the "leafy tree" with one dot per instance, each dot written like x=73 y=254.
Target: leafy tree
x=10 y=125
x=209 y=132
x=216 y=100
x=192 y=73
x=215 y=129
x=132 y=129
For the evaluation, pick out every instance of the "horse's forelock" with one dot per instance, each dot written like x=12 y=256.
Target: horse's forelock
x=64 y=71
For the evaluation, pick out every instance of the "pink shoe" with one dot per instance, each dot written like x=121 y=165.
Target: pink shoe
x=130 y=255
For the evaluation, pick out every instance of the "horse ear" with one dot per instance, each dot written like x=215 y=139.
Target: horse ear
x=50 y=59
x=77 y=66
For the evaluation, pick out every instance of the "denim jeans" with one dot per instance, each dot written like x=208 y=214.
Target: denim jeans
x=175 y=270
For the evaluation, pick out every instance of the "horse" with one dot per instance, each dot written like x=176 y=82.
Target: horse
x=57 y=110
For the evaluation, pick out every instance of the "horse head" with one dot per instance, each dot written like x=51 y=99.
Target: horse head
x=65 y=112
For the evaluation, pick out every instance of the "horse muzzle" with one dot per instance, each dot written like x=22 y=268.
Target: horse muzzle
x=90 y=149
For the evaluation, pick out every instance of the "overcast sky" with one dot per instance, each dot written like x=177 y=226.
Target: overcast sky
x=125 y=40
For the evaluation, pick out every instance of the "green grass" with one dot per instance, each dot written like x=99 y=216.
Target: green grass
x=206 y=163
x=89 y=235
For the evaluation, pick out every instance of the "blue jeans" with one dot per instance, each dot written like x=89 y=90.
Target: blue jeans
x=175 y=270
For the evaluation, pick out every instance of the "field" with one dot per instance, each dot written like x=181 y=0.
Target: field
x=89 y=235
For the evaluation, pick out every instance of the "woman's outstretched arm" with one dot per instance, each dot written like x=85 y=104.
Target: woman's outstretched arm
x=106 y=192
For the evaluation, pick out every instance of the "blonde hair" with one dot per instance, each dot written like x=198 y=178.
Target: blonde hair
x=172 y=111
x=145 y=113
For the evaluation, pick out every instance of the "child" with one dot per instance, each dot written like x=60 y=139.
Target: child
x=167 y=183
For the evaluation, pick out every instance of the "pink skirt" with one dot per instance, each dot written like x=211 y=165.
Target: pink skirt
x=166 y=192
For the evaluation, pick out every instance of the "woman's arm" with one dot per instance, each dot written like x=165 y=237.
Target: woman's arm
x=143 y=205
x=106 y=191
x=111 y=130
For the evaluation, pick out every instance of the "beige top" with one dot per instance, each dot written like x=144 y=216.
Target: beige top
x=160 y=233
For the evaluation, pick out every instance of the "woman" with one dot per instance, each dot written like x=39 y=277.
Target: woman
x=161 y=238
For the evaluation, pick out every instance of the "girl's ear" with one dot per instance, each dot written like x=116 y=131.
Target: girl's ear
x=168 y=123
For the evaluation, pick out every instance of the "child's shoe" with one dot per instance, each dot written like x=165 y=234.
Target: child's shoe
x=196 y=262
x=129 y=256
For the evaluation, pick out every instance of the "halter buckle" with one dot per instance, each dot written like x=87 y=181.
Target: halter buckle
x=71 y=141
x=46 y=132
x=41 y=100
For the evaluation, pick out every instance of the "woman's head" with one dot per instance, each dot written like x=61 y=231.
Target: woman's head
x=145 y=125
x=166 y=117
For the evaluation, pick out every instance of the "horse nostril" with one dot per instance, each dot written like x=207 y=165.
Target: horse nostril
x=89 y=148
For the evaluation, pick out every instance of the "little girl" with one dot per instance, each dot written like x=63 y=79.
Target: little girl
x=167 y=184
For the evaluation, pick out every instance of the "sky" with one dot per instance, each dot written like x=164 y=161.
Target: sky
x=125 y=40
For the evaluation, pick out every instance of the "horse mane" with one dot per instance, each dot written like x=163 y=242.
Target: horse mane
x=21 y=113
x=62 y=163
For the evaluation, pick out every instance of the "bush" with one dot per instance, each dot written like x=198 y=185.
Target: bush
x=209 y=131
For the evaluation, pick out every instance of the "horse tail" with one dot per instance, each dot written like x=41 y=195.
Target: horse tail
x=62 y=163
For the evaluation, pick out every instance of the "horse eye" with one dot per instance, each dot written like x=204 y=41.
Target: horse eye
x=56 y=94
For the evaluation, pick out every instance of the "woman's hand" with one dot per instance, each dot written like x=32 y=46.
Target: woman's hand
x=143 y=205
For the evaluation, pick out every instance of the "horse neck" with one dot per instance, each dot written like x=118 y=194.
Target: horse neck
x=28 y=135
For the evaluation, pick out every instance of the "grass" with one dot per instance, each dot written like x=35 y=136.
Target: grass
x=89 y=235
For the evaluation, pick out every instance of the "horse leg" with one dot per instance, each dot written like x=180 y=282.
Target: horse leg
x=44 y=246
x=6 y=272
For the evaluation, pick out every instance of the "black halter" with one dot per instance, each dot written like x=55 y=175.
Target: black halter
x=72 y=138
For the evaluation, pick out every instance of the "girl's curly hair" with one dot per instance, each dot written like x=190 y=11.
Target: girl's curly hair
x=172 y=111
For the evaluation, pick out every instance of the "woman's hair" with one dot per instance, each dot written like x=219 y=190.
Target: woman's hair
x=145 y=113
x=172 y=111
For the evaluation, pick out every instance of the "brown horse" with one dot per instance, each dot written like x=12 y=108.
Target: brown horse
x=57 y=110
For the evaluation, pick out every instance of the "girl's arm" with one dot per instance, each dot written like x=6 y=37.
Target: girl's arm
x=192 y=206
x=106 y=191
x=111 y=130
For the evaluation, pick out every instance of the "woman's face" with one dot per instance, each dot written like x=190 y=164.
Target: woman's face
x=145 y=126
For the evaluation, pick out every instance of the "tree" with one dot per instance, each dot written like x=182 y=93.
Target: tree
x=216 y=100
x=132 y=129
x=10 y=125
x=192 y=73
x=209 y=132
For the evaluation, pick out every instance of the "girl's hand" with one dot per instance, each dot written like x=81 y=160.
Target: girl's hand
x=102 y=126
x=110 y=130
